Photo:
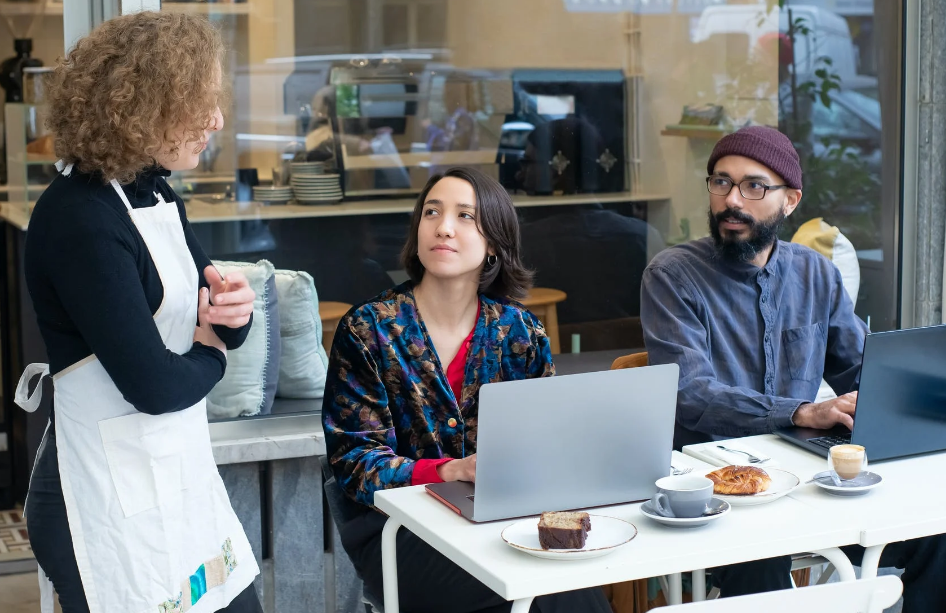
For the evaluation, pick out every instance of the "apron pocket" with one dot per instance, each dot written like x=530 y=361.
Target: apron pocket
x=144 y=459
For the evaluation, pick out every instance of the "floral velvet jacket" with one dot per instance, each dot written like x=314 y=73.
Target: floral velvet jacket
x=387 y=399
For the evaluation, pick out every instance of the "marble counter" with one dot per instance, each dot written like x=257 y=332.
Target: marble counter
x=279 y=436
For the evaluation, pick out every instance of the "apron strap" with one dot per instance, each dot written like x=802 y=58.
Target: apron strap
x=30 y=402
x=45 y=592
x=121 y=194
x=65 y=169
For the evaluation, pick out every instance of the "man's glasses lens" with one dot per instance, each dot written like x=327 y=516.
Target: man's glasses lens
x=721 y=186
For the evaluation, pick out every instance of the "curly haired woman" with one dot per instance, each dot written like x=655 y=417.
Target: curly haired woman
x=126 y=510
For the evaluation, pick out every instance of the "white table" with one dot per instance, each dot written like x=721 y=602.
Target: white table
x=882 y=515
x=783 y=527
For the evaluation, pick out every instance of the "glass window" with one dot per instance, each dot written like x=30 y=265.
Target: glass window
x=31 y=42
x=598 y=117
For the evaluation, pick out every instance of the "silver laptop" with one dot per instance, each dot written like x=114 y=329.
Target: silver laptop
x=570 y=442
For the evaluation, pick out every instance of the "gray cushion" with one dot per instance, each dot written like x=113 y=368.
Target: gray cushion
x=249 y=385
x=302 y=366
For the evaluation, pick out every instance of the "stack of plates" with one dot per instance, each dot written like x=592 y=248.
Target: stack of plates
x=316 y=188
x=307 y=168
x=275 y=195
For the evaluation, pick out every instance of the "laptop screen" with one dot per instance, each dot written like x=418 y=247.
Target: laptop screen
x=901 y=405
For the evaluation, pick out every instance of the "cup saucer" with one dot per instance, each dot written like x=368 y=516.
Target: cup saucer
x=859 y=485
x=716 y=504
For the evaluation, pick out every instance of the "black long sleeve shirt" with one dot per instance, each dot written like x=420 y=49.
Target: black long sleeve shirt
x=95 y=290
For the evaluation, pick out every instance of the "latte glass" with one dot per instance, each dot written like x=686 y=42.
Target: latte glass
x=847 y=461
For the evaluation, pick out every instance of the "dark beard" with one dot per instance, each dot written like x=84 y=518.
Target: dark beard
x=762 y=235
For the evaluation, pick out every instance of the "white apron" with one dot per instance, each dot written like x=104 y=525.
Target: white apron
x=151 y=522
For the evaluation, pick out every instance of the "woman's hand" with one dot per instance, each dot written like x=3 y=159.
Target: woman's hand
x=204 y=334
x=459 y=470
x=232 y=298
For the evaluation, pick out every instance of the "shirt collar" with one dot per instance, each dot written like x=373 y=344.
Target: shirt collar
x=140 y=192
x=749 y=270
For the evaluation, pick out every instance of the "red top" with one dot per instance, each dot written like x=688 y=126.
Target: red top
x=425 y=471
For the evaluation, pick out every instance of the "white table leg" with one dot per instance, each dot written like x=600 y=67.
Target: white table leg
x=676 y=589
x=699 y=585
x=518 y=606
x=389 y=565
x=871 y=561
x=841 y=563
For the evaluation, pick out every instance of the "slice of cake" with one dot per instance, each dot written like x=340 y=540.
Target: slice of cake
x=563 y=530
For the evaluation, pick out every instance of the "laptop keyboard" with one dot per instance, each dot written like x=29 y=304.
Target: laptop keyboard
x=830 y=441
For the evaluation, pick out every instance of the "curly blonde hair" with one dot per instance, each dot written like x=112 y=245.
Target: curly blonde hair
x=119 y=93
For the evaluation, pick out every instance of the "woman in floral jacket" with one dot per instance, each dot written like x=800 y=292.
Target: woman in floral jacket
x=405 y=371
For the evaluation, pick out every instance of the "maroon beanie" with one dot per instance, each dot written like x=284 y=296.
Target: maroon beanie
x=766 y=146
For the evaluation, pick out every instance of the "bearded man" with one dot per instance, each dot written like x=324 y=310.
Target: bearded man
x=754 y=323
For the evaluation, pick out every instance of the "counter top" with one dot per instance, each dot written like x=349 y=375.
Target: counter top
x=204 y=211
x=274 y=438
x=293 y=430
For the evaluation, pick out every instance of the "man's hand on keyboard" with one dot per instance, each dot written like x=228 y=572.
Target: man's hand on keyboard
x=827 y=414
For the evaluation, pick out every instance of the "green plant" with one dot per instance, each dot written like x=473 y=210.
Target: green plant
x=839 y=185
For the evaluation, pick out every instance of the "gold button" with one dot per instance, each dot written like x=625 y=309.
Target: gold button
x=452 y=422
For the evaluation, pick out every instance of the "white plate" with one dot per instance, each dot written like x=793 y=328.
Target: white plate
x=863 y=483
x=647 y=510
x=783 y=482
x=605 y=536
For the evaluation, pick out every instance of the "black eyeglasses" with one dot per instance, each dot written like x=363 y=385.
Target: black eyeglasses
x=751 y=189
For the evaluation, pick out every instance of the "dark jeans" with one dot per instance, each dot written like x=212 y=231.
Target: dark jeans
x=51 y=540
x=428 y=582
x=922 y=560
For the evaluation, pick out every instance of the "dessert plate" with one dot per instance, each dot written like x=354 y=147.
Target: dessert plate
x=607 y=534
x=783 y=482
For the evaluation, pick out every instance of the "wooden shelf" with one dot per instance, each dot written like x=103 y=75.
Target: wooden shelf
x=207 y=8
x=206 y=211
x=14 y=9
x=695 y=131
x=202 y=211
x=41 y=159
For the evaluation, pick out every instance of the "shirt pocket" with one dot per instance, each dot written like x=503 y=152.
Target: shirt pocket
x=144 y=456
x=804 y=351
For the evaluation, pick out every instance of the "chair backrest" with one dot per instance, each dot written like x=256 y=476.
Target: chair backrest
x=630 y=361
x=340 y=506
x=864 y=596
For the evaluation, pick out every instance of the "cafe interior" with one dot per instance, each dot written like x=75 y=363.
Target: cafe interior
x=597 y=117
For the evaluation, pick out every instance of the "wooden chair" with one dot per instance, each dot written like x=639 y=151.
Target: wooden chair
x=331 y=313
x=629 y=596
x=541 y=301
x=864 y=596
x=630 y=361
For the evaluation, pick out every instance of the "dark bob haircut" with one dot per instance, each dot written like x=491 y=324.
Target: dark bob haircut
x=497 y=221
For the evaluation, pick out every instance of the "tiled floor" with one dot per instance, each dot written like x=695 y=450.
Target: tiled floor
x=13 y=536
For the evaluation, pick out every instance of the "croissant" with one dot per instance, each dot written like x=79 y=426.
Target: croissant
x=739 y=480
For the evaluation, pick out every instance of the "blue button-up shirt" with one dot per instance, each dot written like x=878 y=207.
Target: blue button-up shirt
x=752 y=343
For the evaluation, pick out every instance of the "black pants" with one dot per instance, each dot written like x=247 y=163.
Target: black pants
x=922 y=560
x=51 y=540
x=428 y=582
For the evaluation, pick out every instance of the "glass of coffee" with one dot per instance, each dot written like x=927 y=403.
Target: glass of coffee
x=847 y=461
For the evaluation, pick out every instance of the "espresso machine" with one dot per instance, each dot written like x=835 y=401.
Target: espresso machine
x=395 y=124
